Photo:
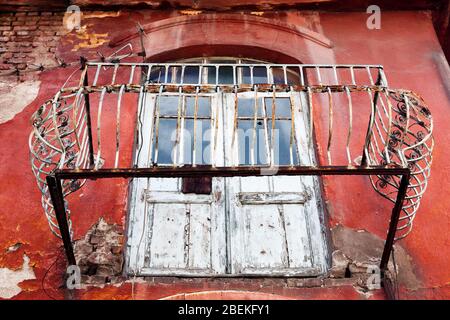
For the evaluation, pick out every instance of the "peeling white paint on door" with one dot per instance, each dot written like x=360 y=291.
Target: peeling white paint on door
x=274 y=220
x=9 y=279
x=248 y=225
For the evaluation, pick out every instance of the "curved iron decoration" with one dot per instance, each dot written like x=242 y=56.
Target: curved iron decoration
x=399 y=133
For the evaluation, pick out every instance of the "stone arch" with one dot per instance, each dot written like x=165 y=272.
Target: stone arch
x=232 y=35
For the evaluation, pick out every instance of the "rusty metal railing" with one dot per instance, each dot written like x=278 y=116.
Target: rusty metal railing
x=70 y=143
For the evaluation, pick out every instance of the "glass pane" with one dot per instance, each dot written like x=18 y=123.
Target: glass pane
x=191 y=75
x=174 y=75
x=203 y=109
x=246 y=107
x=156 y=75
x=259 y=75
x=281 y=142
x=279 y=78
x=202 y=142
x=225 y=75
x=167 y=137
x=168 y=105
x=248 y=142
x=282 y=107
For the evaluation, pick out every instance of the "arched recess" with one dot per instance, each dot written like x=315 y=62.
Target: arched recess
x=231 y=35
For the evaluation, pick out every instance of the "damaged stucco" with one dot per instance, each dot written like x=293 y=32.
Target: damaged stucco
x=10 y=279
x=14 y=97
x=356 y=252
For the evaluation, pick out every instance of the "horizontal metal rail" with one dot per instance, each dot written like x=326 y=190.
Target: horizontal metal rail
x=55 y=185
x=242 y=73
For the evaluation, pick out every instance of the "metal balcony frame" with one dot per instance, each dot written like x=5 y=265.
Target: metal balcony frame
x=54 y=180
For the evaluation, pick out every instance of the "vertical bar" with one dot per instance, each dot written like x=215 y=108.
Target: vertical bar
x=76 y=122
x=217 y=75
x=255 y=121
x=99 y=115
x=156 y=125
x=235 y=123
x=374 y=102
x=166 y=73
x=370 y=76
x=350 y=124
x=132 y=74
x=114 y=73
x=266 y=132
x=388 y=133
x=330 y=125
x=182 y=74
x=394 y=222
x=88 y=120
x=176 y=146
x=369 y=131
x=200 y=73
x=149 y=71
x=352 y=73
x=319 y=78
x=292 y=137
x=382 y=77
x=272 y=140
x=311 y=120
x=97 y=72
x=302 y=76
x=119 y=102
x=335 y=75
x=56 y=194
x=216 y=128
x=195 y=127
x=389 y=288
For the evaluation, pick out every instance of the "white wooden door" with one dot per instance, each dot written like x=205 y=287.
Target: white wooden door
x=247 y=226
x=171 y=232
x=274 y=222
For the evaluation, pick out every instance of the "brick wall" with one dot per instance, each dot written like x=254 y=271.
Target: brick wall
x=28 y=40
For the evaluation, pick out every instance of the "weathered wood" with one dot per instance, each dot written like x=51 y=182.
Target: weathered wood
x=249 y=198
x=267 y=225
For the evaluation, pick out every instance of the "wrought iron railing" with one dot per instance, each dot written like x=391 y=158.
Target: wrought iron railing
x=70 y=142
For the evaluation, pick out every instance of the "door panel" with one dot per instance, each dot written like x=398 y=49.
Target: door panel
x=175 y=233
x=267 y=225
x=271 y=216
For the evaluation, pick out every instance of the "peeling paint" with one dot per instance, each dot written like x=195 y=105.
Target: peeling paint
x=10 y=104
x=101 y=14
x=89 y=40
x=10 y=279
x=190 y=12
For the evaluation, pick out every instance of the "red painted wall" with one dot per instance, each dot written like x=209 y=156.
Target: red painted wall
x=406 y=45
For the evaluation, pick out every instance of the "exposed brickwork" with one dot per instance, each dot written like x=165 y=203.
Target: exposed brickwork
x=28 y=40
x=99 y=254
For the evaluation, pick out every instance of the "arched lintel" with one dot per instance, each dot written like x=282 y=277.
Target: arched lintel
x=242 y=51
x=228 y=34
